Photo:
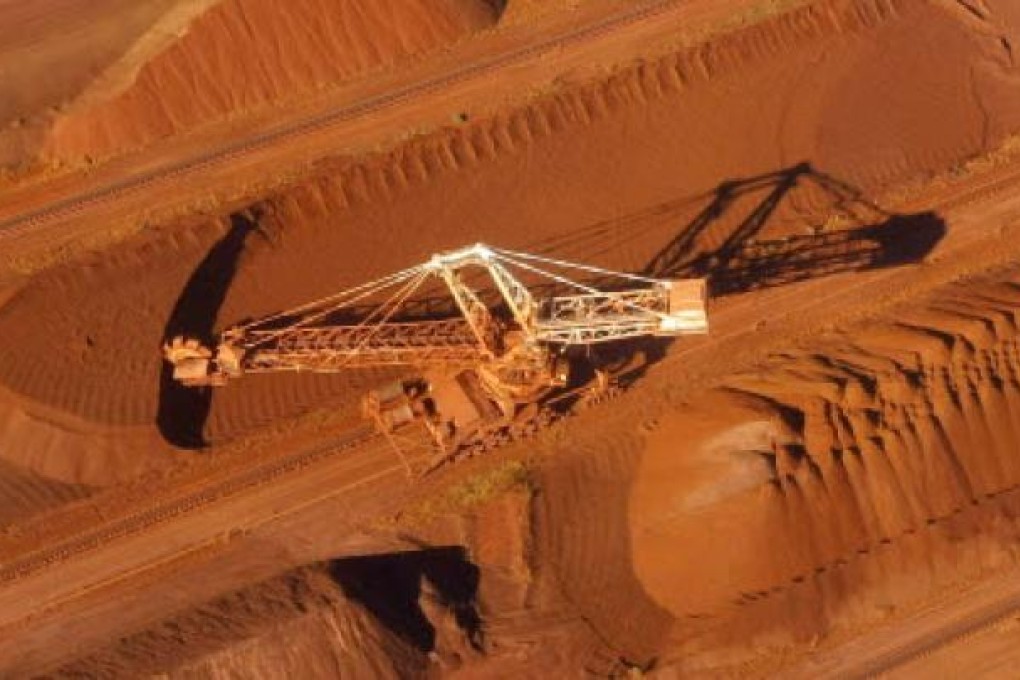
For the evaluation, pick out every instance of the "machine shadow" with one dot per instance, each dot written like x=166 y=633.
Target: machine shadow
x=742 y=260
x=182 y=411
x=400 y=588
x=725 y=241
x=900 y=240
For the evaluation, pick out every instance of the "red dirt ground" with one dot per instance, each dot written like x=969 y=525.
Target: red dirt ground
x=243 y=54
x=50 y=51
x=569 y=175
x=891 y=453
x=811 y=494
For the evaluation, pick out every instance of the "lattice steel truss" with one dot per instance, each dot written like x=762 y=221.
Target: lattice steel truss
x=307 y=338
x=328 y=349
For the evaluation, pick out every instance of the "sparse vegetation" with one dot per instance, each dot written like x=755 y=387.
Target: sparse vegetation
x=485 y=486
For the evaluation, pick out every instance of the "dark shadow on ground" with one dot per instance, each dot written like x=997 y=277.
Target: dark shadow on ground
x=498 y=7
x=183 y=411
x=900 y=240
x=725 y=242
x=393 y=588
x=742 y=260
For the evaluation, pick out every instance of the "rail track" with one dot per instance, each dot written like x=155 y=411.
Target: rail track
x=882 y=663
x=74 y=205
x=967 y=195
x=955 y=635
x=145 y=519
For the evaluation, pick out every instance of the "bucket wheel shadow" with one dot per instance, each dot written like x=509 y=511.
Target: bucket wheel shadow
x=182 y=411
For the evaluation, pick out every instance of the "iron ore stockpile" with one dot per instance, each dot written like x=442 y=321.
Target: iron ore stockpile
x=516 y=338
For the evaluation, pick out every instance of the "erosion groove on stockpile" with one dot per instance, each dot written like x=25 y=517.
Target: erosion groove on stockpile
x=555 y=176
x=888 y=470
x=916 y=419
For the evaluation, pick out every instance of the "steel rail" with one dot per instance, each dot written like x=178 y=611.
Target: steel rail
x=139 y=521
x=75 y=204
x=145 y=519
